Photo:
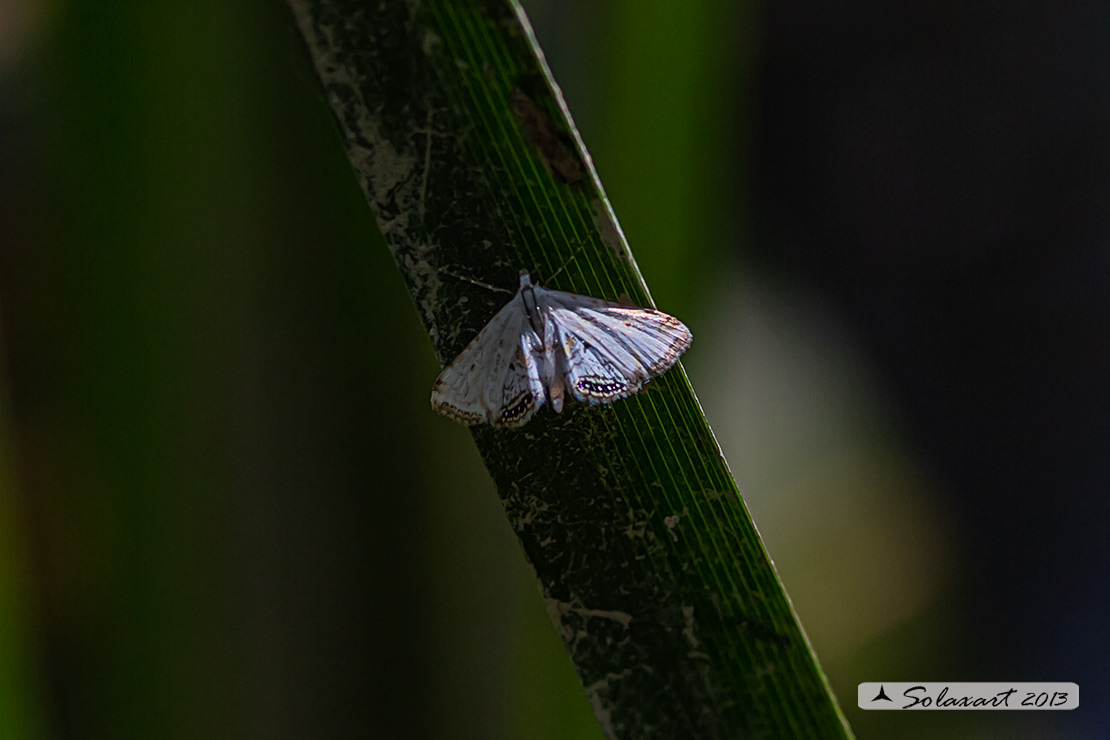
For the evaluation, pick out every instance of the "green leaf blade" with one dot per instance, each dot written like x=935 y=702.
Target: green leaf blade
x=646 y=556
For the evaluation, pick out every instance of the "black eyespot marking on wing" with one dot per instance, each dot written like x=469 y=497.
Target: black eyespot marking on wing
x=518 y=407
x=601 y=389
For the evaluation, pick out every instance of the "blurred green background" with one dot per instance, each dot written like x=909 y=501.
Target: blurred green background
x=226 y=509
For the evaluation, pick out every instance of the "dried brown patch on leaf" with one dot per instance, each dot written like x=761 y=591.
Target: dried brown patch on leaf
x=540 y=131
x=608 y=230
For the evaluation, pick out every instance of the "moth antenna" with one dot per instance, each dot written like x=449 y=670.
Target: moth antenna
x=568 y=260
x=479 y=283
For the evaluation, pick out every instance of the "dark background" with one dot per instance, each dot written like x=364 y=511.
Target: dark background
x=227 y=511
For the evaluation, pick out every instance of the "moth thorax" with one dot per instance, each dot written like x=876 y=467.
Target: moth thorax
x=528 y=296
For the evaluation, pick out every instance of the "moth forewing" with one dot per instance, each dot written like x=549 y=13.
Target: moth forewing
x=460 y=390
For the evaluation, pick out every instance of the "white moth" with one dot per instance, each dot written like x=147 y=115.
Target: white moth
x=546 y=342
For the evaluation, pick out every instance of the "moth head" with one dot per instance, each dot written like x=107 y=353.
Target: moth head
x=525 y=280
